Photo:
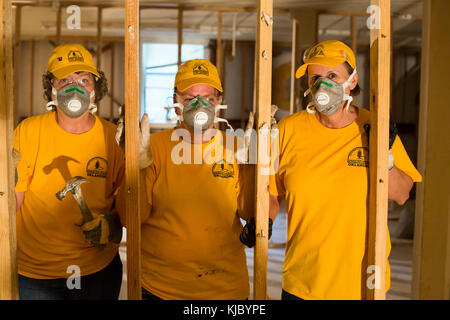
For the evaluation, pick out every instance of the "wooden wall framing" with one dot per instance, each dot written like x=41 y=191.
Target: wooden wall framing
x=8 y=264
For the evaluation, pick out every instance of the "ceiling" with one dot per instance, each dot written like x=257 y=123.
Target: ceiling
x=39 y=21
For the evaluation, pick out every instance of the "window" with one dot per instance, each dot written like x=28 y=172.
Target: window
x=159 y=69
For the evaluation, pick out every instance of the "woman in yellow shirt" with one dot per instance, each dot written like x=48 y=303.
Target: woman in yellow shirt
x=323 y=175
x=190 y=232
x=62 y=252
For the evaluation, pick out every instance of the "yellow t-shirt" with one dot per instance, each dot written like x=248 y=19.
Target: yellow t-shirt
x=190 y=240
x=323 y=174
x=48 y=241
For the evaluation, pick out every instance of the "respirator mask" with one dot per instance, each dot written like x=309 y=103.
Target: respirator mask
x=328 y=95
x=73 y=100
x=199 y=113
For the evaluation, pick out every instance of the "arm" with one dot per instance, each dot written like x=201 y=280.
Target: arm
x=274 y=206
x=121 y=200
x=399 y=186
x=20 y=196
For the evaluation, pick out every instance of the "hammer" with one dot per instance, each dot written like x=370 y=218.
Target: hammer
x=74 y=186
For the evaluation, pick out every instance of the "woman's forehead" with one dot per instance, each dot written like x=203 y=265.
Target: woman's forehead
x=320 y=69
x=200 y=89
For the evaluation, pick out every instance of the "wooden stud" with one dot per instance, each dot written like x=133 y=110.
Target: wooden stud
x=374 y=279
x=99 y=36
x=293 y=67
x=31 y=91
x=111 y=83
x=8 y=244
x=354 y=34
x=99 y=46
x=180 y=34
x=431 y=252
x=58 y=25
x=16 y=52
x=243 y=85
x=263 y=107
x=131 y=149
x=219 y=47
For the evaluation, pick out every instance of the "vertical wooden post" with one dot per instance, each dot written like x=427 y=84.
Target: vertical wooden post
x=219 y=49
x=99 y=36
x=16 y=52
x=263 y=106
x=58 y=25
x=8 y=264
x=131 y=149
x=431 y=255
x=99 y=45
x=293 y=67
x=180 y=33
x=111 y=83
x=374 y=277
x=30 y=97
x=243 y=84
x=354 y=34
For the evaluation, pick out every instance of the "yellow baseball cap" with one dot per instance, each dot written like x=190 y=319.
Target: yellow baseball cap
x=329 y=53
x=197 y=71
x=70 y=58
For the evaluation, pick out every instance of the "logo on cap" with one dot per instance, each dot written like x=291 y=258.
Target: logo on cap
x=200 y=69
x=75 y=56
x=318 y=50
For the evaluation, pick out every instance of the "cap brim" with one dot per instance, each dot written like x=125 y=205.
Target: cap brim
x=187 y=83
x=61 y=73
x=323 y=61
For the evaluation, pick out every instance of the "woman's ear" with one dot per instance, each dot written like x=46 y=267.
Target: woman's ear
x=354 y=81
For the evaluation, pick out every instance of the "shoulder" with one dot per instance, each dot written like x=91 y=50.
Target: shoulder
x=108 y=125
x=294 y=118
x=363 y=115
x=34 y=121
x=162 y=136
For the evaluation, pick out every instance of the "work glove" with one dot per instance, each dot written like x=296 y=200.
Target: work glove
x=145 y=157
x=103 y=228
x=393 y=132
x=248 y=234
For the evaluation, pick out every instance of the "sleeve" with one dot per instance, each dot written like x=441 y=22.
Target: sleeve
x=24 y=174
x=402 y=161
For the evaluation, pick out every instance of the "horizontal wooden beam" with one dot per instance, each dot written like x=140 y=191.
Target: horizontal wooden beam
x=144 y=6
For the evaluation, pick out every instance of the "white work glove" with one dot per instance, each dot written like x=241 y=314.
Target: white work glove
x=145 y=157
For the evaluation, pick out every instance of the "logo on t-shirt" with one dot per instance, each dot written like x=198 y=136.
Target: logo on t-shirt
x=97 y=167
x=223 y=169
x=358 y=157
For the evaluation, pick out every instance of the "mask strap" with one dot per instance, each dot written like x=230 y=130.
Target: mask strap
x=348 y=97
x=221 y=106
x=308 y=108
x=223 y=120
x=180 y=117
x=52 y=103
x=92 y=106
x=307 y=92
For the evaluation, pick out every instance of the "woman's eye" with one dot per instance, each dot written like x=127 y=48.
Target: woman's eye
x=332 y=76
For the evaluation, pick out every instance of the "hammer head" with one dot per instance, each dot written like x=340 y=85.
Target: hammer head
x=71 y=186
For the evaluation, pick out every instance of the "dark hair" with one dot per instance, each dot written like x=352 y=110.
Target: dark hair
x=101 y=85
